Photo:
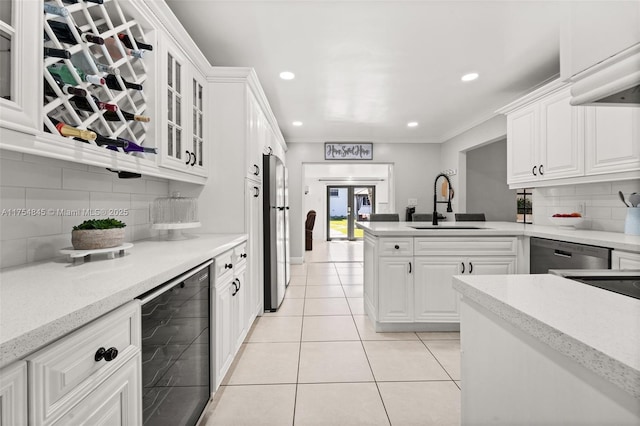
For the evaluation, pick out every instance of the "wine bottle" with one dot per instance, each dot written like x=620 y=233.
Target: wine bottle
x=113 y=47
x=67 y=130
x=113 y=116
x=131 y=146
x=126 y=40
x=57 y=53
x=65 y=35
x=83 y=104
x=65 y=88
x=80 y=60
x=89 y=1
x=112 y=83
x=62 y=71
x=55 y=10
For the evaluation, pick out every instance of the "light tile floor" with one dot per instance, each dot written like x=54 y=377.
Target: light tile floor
x=318 y=361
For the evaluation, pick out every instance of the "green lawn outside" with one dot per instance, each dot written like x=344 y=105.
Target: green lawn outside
x=340 y=225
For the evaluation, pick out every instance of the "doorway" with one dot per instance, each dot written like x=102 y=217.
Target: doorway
x=345 y=205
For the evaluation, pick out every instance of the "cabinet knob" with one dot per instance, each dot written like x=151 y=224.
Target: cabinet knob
x=397 y=247
x=228 y=265
x=106 y=354
x=541 y=170
x=534 y=170
x=243 y=255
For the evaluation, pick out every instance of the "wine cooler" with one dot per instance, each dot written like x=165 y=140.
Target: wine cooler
x=176 y=350
x=95 y=75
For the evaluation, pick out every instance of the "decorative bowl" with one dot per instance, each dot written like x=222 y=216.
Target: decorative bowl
x=566 y=221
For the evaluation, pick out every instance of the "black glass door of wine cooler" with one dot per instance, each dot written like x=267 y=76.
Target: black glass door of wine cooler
x=176 y=350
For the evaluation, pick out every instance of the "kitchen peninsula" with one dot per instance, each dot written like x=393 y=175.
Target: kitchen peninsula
x=408 y=266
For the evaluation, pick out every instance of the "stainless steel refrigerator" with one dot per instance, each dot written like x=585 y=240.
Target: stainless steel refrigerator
x=276 y=232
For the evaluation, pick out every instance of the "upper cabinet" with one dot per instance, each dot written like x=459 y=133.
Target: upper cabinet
x=550 y=142
x=114 y=85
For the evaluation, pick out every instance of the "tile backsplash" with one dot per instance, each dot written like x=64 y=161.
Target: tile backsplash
x=41 y=199
x=603 y=209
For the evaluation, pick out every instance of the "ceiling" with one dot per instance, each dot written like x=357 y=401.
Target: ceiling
x=364 y=69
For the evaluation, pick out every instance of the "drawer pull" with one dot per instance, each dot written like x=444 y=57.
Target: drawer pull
x=243 y=255
x=239 y=283
x=397 y=247
x=228 y=265
x=534 y=170
x=106 y=354
x=462 y=263
x=235 y=288
x=470 y=267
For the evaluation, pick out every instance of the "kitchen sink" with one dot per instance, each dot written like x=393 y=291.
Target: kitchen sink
x=447 y=227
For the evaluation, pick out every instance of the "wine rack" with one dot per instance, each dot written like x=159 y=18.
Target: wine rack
x=107 y=20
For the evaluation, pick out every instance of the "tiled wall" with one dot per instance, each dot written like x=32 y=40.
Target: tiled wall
x=603 y=210
x=32 y=182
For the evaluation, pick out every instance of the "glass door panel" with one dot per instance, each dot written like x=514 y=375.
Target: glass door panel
x=346 y=205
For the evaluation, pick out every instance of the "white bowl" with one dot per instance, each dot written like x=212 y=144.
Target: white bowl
x=566 y=221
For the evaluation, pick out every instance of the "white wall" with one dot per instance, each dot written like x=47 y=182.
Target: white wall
x=415 y=166
x=32 y=182
x=604 y=211
x=454 y=156
x=486 y=188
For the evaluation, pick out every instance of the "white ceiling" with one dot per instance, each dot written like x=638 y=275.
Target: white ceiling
x=366 y=68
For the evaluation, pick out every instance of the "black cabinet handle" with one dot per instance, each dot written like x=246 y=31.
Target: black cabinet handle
x=462 y=263
x=257 y=194
x=397 y=247
x=228 y=265
x=188 y=157
x=256 y=170
x=193 y=163
x=239 y=283
x=540 y=169
x=534 y=170
x=470 y=267
x=235 y=288
x=106 y=354
x=243 y=255
x=409 y=267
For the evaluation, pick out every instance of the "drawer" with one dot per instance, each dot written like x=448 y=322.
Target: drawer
x=395 y=247
x=465 y=246
x=64 y=371
x=239 y=254
x=223 y=263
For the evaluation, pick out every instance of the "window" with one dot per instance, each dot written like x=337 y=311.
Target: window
x=6 y=37
x=333 y=192
x=525 y=206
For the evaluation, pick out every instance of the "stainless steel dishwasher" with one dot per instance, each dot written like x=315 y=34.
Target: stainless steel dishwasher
x=551 y=254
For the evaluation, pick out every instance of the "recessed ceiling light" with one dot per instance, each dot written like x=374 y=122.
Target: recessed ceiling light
x=412 y=124
x=287 y=75
x=469 y=77
x=297 y=123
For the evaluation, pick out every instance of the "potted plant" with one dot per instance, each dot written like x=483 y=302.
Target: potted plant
x=98 y=234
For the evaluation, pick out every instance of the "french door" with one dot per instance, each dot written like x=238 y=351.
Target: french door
x=345 y=205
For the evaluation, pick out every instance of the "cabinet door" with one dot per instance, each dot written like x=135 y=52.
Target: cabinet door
x=370 y=275
x=395 y=302
x=13 y=395
x=114 y=402
x=435 y=298
x=198 y=150
x=225 y=343
x=612 y=135
x=239 y=308
x=256 y=135
x=625 y=260
x=561 y=137
x=522 y=137
x=253 y=202
x=490 y=265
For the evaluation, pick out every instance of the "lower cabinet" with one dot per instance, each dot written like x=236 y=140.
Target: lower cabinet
x=625 y=260
x=234 y=307
x=411 y=281
x=13 y=394
x=91 y=376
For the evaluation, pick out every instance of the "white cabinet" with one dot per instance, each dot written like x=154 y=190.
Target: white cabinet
x=13 y=395
x=255 y=269
x=612 y=140
x=395 y=301
x=234 y=308
x=408 y=281
x=625 y=260
x=545 y=140
x=95 y=363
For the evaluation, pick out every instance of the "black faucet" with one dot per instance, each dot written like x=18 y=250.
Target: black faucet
x=434 y=221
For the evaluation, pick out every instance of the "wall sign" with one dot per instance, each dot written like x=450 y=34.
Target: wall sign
x=348 y=151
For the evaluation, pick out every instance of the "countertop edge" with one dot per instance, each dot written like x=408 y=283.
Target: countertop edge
x=611 y=369
x=19 y=347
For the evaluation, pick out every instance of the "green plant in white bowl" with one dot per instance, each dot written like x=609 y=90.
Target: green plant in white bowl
x=98 y=234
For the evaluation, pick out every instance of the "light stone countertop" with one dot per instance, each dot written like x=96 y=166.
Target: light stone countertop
x=597 y=328
x=614 y=240
x=41 y=302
